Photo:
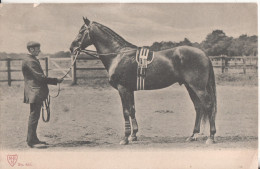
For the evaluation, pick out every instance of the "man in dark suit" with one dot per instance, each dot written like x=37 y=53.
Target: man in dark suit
x=35 y=89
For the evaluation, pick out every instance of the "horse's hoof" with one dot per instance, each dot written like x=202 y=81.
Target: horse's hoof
x=189 y=139
x=210 y=141
x=201 y=135
x=131 y=139
x=192 y=138
x=124 y=142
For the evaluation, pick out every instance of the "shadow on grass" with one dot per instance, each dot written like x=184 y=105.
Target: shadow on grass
x=201 y=139
x=74 y=144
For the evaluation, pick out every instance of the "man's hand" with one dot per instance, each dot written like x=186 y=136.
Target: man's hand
x=59 y=80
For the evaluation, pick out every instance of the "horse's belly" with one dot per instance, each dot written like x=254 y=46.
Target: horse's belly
x=158 y=81
x=160 y=75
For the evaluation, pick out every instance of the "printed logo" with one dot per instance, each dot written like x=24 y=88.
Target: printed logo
x=12 y=159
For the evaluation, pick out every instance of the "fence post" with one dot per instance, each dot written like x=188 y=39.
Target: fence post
x=73 y=71
x=256 y=66
x=244 y=64
x=9 y=71
x=226 y=63
x=46 y=66
x=223 y=63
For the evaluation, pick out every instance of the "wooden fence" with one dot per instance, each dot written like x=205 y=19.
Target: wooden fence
x=223 y=62
x=235 y=62
x=75 y=68
x=9 y=69
x=47 y=61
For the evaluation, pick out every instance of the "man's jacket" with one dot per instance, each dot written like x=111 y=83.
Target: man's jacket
x=35 y=82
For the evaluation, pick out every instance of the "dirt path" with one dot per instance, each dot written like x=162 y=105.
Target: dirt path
x=87 y=118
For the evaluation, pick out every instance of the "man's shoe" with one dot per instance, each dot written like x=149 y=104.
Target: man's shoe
x=31 y=145
x=40 y=142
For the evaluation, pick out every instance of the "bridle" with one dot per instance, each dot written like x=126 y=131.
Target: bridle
x=86 y=31
x=92 y=52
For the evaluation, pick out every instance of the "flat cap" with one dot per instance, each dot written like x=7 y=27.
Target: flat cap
x=33 y=44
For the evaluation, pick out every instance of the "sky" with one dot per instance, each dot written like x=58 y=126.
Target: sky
x=55 y=26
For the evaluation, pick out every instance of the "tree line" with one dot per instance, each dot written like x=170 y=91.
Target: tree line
x=217 y=43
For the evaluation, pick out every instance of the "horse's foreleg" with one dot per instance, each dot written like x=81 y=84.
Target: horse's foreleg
x=133 y=136
x=127 y=98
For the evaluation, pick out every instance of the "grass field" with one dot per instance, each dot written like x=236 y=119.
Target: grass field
x=89 y=115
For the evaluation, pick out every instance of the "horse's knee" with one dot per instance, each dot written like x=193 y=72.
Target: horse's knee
x=208 y=105
x=126 y=114
x=213 y=132
x=132 y=111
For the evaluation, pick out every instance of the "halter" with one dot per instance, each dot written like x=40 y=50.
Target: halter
x=86 y=30
x=92 y=52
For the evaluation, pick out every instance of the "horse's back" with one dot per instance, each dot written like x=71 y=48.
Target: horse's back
x=191 y=53
x=184 y=51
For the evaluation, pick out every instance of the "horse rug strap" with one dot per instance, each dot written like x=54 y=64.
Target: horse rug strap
x=143 y=57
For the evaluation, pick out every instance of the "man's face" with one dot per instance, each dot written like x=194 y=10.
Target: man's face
x=35 y=51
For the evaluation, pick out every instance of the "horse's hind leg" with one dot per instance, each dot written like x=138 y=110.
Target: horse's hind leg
x=207 y=103
x=199 y=113
x=127 y=98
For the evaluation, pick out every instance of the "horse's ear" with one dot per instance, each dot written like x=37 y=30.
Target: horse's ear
x=86 y=21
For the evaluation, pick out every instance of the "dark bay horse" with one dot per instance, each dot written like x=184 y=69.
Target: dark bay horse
x=185 y=65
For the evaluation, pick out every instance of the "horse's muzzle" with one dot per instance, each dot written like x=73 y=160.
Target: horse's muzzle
x=74 y=49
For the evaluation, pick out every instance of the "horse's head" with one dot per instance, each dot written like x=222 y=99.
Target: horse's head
x=83 y=39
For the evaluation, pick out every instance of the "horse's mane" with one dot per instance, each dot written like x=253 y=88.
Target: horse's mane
x=114 y=35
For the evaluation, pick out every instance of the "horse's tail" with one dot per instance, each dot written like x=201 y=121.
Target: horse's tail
x=211 y=89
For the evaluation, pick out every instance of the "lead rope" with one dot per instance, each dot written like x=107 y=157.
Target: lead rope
x=78 y=52
x=47 y=102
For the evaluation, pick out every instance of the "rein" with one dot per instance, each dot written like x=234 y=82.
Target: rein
x=89 y=52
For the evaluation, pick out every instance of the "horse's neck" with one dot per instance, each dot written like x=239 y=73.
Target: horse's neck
x=104 y=47
x=108 y=44
x=107 y=48
x=107 y=52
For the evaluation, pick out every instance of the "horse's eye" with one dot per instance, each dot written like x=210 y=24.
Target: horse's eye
x=81 y=31
x=79 y=36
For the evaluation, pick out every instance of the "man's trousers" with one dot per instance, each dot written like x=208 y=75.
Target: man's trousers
x=35 y=110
